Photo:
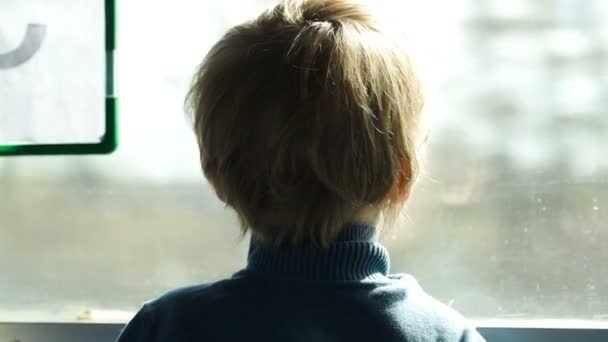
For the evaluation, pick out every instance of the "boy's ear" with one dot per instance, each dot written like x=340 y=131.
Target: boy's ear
x=404 y=182
x=404 y=196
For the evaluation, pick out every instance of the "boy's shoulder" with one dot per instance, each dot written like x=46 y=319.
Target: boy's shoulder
x=196 y=295
x=176 y=315
x=419 y=311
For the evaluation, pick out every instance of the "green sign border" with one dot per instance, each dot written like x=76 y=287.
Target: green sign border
x=109 y=141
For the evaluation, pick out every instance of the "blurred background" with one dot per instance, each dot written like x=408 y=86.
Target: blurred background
x=509 y=220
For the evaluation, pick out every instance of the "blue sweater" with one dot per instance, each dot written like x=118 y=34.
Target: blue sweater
x=340 y=293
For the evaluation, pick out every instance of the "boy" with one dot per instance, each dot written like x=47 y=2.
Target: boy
x=308 y=123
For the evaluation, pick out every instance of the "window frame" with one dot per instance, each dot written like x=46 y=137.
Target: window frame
x=93 y=331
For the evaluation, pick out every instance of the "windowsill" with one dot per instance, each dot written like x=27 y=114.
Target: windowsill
x=493 y=331
x=541 y=323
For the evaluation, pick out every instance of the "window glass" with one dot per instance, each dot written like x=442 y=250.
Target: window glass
x=508 y=220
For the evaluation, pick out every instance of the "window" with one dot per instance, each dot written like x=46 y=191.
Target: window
x=507 y=222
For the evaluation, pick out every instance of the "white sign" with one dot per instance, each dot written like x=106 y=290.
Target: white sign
x=52 y=71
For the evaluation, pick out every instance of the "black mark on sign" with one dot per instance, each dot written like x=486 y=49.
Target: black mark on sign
x=27 y=48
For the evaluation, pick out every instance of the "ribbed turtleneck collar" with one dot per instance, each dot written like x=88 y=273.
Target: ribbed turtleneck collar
x=354 y=255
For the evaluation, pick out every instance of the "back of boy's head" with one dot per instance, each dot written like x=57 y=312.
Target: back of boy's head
x=304 y=117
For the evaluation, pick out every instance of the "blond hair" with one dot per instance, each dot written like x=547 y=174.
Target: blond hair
x=304 y=116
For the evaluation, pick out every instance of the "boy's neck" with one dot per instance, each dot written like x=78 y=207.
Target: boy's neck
x=353 y=256
x=368 y=215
